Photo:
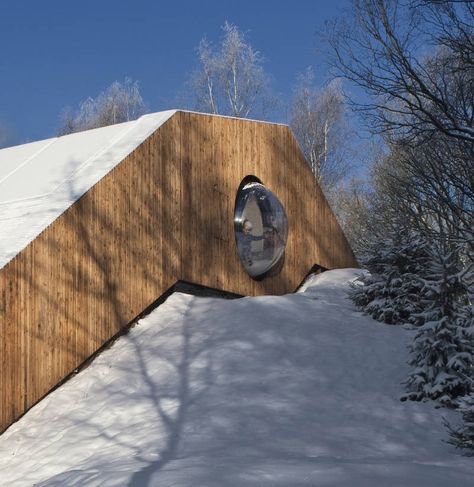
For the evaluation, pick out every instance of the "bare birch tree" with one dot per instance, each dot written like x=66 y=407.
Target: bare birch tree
x=120 y=102
x=353 y=210
x=318 y=120
x=230 y=80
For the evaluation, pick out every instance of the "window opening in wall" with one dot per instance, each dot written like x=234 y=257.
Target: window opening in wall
x=261 y=229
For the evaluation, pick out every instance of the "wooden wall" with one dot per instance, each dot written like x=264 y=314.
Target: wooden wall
x=164 y=214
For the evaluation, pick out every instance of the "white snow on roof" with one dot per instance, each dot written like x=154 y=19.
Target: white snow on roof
x=40 y=180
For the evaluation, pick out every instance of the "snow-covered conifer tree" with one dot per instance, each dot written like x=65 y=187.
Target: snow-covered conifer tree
x=391 y=291
x=462 y=436
x=442 y=353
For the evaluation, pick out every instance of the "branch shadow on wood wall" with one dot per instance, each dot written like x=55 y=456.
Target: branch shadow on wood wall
x=89 y=270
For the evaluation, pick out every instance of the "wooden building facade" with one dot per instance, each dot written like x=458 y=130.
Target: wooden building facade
x=163 y=214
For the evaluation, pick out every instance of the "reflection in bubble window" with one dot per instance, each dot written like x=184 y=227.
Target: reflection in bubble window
x=261 y=229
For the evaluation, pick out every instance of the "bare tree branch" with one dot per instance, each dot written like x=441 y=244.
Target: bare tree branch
x=381 y=49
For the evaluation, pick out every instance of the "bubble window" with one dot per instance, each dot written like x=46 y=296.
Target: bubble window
x=261 y=229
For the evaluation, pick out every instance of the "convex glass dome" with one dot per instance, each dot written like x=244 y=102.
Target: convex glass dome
x=261 y=229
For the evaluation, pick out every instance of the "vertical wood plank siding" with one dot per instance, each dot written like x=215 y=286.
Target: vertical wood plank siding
x=163 y=214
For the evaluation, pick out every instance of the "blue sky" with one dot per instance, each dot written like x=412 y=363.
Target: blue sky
x=57 y=53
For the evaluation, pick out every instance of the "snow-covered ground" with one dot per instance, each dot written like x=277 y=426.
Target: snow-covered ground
x=298 y=390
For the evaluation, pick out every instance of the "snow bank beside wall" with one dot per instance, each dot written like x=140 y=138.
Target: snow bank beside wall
x=297 y=390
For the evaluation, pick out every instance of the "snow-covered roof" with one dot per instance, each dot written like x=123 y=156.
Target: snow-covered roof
x=40 y=180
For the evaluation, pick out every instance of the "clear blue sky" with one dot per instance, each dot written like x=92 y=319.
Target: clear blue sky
x=57 y=53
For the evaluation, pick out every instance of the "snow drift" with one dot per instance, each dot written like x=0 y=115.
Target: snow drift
x=297 y=390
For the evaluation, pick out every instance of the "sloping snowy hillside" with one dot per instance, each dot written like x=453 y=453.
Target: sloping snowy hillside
x=299 y=390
